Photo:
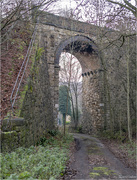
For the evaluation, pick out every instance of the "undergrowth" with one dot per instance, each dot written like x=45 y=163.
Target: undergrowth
x=122 y=140
x=45 y=161
x=130 y=148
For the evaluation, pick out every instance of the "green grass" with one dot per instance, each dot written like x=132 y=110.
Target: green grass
x=45 y=161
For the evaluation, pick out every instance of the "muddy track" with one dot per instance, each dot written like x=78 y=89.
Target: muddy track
x=92 y=160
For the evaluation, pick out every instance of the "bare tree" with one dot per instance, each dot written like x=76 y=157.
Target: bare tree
x=127 y=5
x=13 y=11
x=70 y=75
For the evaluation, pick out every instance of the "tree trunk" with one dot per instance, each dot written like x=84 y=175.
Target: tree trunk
x=73 y=110
x=76 y=124
x=128 y=98
x=64 y=123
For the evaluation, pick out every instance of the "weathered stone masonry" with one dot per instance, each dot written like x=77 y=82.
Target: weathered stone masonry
x=92 y=103
x=62 y=34
x=37 y=107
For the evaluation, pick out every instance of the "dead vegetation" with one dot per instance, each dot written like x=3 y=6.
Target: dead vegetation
x=13 y=53
x=126 y=152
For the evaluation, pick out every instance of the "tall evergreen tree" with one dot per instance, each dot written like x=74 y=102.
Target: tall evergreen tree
x=63 y=93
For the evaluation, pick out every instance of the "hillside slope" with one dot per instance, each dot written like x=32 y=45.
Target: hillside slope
x=13 y=52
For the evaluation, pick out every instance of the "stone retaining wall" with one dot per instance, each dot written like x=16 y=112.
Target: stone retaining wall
x=13 y=134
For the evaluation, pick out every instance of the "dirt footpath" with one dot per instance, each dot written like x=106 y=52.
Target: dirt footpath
x=92 y=160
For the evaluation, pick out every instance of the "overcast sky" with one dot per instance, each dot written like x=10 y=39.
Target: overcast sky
x=63 y=5
x=68 y=4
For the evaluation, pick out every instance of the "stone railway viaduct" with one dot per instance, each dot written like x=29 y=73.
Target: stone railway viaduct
x=40 y=106
x=58 y=34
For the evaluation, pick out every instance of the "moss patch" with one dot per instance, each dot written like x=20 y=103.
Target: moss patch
x=100 y=168
x=9 y=134
x=102 y=171
x=94 y=149
x=93 y=174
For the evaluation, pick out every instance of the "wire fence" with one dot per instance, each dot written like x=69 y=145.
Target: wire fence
x=22 y=70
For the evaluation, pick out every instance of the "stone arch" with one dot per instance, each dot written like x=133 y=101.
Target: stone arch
x=71 y=40
x=86 y=51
